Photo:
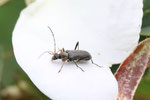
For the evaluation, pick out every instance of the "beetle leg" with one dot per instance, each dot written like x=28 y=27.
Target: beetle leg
x=78 y=66
x=61 y=67
x=63 y=49
x=77 y=45
x=78 y=60
x=95 y=63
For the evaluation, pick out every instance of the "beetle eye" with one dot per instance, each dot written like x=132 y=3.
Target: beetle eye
x=54 y=58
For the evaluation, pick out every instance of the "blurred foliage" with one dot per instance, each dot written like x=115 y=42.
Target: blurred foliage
x=15 y=84
x=145 y=31
x=146 y=12
x=143 y=89
x=27 y=2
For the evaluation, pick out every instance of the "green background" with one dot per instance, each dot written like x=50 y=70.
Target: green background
x=12 y=76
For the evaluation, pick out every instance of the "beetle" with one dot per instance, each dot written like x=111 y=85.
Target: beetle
x=74 y=56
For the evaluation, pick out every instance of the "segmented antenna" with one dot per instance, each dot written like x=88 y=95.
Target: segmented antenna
x=50 y=52
x=53 y=39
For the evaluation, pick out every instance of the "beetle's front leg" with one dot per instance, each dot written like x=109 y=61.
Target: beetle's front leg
x=61 y=66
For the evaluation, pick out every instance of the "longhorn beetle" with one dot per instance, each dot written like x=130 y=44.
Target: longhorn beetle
x=70 y=55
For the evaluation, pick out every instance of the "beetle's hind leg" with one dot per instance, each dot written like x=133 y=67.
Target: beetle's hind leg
x=78 y=66
x=95 y=63
x=77 y=45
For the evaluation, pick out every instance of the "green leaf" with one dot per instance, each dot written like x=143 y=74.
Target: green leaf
x=143 y=90
x=146 y=4
x=146 y=16
x=1 y=64
x=145 y=31
x=9 y=14
x=146 y=19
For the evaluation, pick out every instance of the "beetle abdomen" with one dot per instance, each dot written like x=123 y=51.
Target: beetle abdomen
x=78 y=55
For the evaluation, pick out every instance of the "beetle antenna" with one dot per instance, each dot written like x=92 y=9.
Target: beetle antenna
x=50 y=52
x=53 y=39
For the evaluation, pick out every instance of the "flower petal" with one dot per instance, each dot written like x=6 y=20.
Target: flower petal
x=72 y=21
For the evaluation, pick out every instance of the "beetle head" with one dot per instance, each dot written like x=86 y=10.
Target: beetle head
x=61 y=55
x=56 y=56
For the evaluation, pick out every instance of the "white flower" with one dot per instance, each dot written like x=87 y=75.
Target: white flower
x=108 y=29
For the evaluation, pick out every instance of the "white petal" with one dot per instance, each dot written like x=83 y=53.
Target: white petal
x=108 y=30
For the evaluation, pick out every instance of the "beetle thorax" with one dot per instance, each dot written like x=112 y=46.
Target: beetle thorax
x=63 y=56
